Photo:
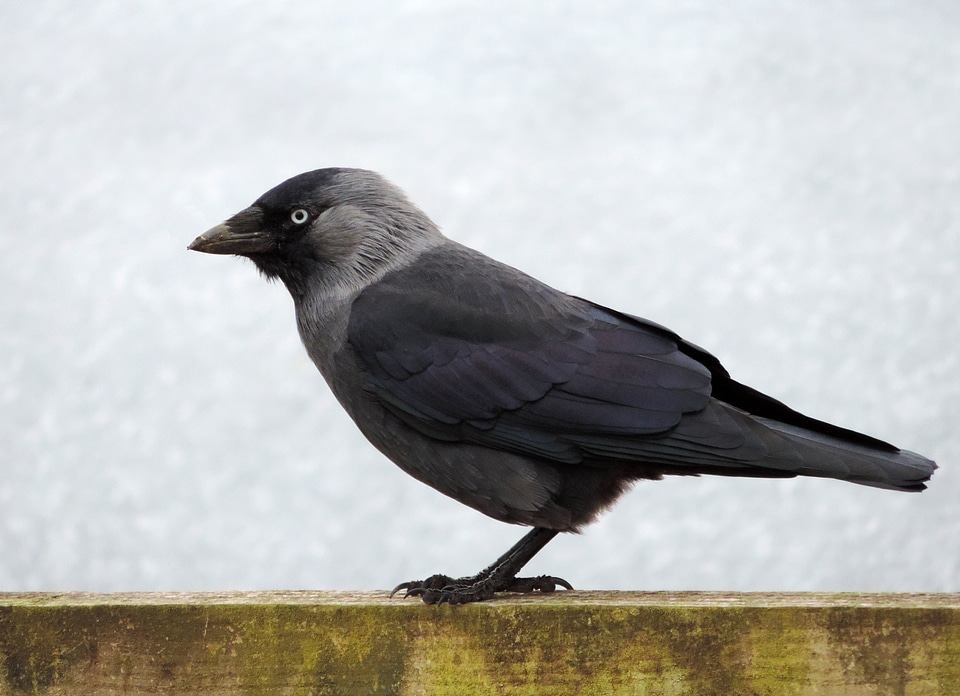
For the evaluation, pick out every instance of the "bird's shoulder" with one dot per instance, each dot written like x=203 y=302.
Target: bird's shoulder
x=455 y=293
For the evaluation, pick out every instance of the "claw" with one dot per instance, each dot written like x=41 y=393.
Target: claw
x=417 y=588
x=441 y=589
x=499 y=577
x=408 y=586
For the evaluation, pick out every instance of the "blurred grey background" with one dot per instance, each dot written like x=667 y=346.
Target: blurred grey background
x=777 y=181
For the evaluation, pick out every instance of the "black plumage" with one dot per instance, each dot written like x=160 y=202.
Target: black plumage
x=528 y=404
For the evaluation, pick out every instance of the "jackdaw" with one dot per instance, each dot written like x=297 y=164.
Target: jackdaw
x=530 y=405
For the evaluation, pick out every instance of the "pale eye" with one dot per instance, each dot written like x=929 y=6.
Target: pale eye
x=299 y=216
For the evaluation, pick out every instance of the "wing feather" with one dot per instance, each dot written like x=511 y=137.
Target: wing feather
x=502 y=360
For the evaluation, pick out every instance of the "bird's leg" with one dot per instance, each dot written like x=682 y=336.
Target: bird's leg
x=501 y=576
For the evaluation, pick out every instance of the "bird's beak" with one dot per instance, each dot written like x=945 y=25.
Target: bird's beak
x=242 y=234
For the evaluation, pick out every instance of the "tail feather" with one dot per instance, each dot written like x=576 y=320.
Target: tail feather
x=722 y=440
x=827 y=456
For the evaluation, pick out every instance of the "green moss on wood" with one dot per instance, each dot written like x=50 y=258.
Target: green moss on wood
x=572 y=643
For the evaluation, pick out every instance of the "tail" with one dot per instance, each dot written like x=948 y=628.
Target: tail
x=874 y=464
x=744 y=432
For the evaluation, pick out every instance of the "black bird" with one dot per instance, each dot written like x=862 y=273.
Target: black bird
x=530 y=405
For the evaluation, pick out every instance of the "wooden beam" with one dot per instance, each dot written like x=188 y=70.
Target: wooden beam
x=566 y=643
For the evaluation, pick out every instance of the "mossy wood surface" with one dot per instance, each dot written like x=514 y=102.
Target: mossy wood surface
x=566 y=643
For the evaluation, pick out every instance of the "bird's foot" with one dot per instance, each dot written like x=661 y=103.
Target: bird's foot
x=442 y=589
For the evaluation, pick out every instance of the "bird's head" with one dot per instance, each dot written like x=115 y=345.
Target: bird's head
x=336 y=229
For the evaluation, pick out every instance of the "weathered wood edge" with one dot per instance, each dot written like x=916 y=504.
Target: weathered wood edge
x=562 y=598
